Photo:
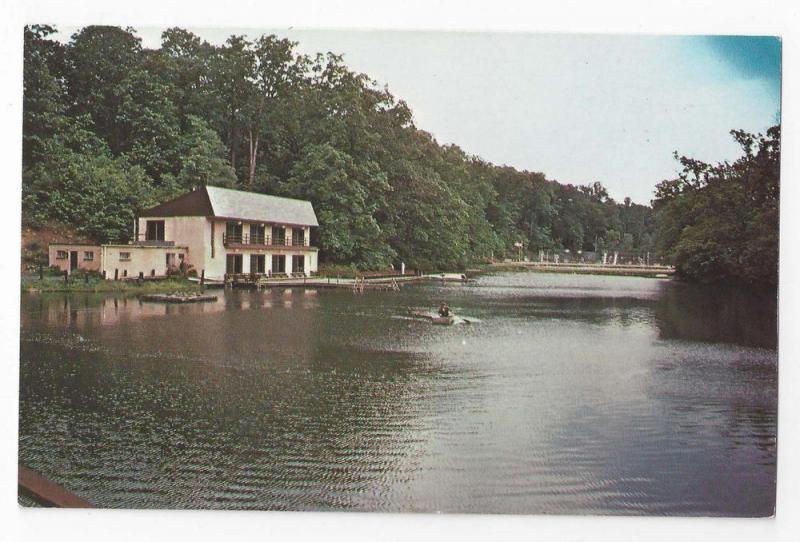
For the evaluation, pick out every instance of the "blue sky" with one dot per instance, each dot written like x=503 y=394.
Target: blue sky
x=580 y=108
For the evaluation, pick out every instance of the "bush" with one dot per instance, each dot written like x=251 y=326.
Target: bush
x=338 y=270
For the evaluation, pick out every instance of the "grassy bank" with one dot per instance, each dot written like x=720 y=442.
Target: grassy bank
x=33 y=284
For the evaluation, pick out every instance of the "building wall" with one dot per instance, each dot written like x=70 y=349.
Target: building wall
x=144 y=259
x=188 y=231
x=63 y=263
x=215 y=250
x=207 y=252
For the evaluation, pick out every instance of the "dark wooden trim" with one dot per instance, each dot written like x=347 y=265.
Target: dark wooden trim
x=48 y=493
x=194 y=203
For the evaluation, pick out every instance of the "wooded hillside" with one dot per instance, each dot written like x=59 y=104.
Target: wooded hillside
x=111 y=127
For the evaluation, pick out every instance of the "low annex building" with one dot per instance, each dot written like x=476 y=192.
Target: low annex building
x=218 y=231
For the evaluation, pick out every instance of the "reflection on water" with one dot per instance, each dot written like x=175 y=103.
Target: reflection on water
x=569 y=394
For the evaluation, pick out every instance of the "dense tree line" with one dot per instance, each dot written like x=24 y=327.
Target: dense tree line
x=719 y=222
x=111 y=127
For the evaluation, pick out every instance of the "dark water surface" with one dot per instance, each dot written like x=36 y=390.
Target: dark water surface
x=566 y=394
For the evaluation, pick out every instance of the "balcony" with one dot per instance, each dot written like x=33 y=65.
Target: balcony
x=236 y=240
x=142 y=240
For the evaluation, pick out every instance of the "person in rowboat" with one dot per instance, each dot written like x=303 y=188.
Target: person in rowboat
x=444 y=310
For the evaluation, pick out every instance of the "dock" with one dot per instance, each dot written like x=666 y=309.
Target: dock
x=178 y=298
x=359 y=284
x=47 y=493
x=653 y=271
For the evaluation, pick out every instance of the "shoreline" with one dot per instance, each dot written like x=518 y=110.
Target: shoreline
x=57 y=284
x=652 y=271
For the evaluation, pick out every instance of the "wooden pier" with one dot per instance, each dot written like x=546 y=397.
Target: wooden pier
x=47 y=493
x=359 y=284
x=654 y=271
x=178 y=298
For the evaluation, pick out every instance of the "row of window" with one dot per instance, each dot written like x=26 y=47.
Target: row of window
x=88 y=255
x=154 y=231
x=233 y=263
x=233 y=231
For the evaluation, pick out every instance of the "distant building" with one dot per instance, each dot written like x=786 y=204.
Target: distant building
x=217 y=231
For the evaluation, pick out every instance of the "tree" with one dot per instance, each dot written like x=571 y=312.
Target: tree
x=334 y=183
x=276 y=71
x=43 y=104
x=719 y=223
x=202 y=160
x=99 y=59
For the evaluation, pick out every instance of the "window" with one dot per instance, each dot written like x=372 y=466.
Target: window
x=124 y=256
x=170 y=259
x=298 y=264
x=88 y=256
x=155 y=230
x=180 y=256
x=62 y=255
x=278 y=263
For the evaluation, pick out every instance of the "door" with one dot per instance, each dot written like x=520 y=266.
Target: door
x=233 y=264
x=257 y=264
x=278 y=237
x=233 y=232
x=73 y=260
x=298 y=237
x=298 y=264
x=257 y=234
x=278 y=263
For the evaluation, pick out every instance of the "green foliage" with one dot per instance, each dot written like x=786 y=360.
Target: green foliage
x=719 y=223
x=336 y=186
x=110 y=128
x=202 y=159
x=96 y=193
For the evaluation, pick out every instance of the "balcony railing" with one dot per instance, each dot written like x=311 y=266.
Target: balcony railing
x=263 y=240
x=142 y=240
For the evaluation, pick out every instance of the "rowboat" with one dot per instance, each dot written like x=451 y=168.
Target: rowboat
x=438 y=320
x=442 y=320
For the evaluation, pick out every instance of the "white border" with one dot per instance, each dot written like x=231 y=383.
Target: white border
x=624 y=16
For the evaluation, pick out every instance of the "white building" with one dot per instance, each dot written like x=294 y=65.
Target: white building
x=218 y=232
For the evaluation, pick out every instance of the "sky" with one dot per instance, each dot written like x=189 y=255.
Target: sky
x=578 y=107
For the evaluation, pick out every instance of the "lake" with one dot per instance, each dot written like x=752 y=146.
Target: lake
x=565 y=394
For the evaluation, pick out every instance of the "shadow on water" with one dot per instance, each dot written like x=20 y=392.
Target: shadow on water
x=718 y=314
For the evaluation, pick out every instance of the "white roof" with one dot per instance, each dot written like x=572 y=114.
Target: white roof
x=236 y=204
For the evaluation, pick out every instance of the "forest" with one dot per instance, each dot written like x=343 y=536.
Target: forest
x=719 y=222
x=111 y=127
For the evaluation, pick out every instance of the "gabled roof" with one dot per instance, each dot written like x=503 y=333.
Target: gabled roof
x=237 y=205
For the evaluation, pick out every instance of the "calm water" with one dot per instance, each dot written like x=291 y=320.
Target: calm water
x=566 y=394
